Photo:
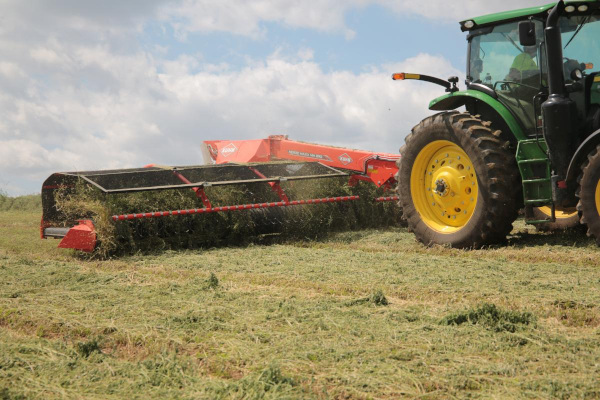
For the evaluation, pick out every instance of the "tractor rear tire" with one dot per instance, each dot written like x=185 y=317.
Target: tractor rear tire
x=589 y=194
x=458 y=182
x=566 y=218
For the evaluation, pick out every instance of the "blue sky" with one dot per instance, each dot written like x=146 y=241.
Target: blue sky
x=113 y=84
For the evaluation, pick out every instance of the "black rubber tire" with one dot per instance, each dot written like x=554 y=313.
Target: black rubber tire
x=588 y=182
x=497 y=174
x=560 y=224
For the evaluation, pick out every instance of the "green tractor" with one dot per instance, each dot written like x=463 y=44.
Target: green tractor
x=529 y=136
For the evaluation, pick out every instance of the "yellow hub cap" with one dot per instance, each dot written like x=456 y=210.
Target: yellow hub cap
x=444 y=186
x=559 y=212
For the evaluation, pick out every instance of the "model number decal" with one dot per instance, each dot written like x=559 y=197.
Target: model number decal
x=314 y=156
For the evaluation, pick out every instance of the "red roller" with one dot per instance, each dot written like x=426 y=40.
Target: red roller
x=157 y=214
x=388 y=198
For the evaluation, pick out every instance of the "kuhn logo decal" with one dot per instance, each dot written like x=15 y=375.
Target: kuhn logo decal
x=228 y=150
x=345 y=159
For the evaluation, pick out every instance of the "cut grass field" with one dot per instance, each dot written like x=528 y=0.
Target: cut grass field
x=359 y=315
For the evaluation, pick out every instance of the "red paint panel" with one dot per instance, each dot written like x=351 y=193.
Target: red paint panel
x=378 y=168
x=80 y=237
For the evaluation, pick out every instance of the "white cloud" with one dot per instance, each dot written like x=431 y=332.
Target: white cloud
x=10 y=70
x=45 y=55
x=306 y=54
x=243 y=17
x=149 y=116
x=248 y=17
x=30 y=157
x=90 y=16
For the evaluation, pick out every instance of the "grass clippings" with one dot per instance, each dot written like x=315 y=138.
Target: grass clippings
x=376 y=298
x=279 y=324
x=492 y=317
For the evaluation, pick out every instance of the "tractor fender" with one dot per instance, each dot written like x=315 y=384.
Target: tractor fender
x=580 y=155
x=455 y=100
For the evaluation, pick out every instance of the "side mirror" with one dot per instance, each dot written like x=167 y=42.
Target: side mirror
x=527 y=33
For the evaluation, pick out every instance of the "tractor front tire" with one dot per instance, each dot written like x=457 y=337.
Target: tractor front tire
x=589 y=194
x=458 y=182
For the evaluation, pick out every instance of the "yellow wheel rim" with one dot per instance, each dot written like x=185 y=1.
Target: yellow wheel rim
x=597 y=197
x=559 y=212
x=444 y=188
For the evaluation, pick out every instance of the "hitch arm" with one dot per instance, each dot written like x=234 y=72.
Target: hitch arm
x=450 y=84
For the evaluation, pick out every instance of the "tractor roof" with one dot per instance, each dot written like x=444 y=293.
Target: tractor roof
x=492 y=19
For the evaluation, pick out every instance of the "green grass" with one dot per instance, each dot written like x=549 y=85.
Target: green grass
x=359 y=315
x=31 y=202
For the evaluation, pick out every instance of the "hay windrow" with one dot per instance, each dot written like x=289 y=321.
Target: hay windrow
x=307 y=222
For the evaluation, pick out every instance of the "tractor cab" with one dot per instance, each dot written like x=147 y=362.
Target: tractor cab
x=518 y=74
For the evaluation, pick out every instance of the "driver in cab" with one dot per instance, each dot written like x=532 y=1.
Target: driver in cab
x=524 y=66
